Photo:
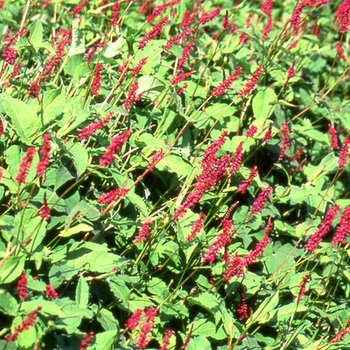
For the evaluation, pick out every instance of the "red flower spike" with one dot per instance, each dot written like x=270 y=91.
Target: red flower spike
x=225 y=22
x=155 y=31
x=166 y=340
x=267 y=29
x=284 y=141
x=114 y=147
x=244 y=185
x=268 y=135
x=221 y=89
x=302 y=287
x=177 y=38
x=316 y=238
x=334 y=137
x=291 y=72
x=111 y=196
x=267 y=7
x=251 y=131
x=44 y=161
x=132 y=97
x=342 y=16
x=78 y=8
x=156 y=158
x=134 y=320
x=50 y=292
x=96 y=83
x=235 y=268
x=209 y=16
x=196 y=227
x=115 y=13
x=140 y=64
x=22 y=286
x=257 y=251
x=258 y=205
x=9 y=54
x=45 y=211
x=339 y=51
x=185 y=54
x=187 y=19
x=90 y=54
x=87 y=341
x=343 y=230
x=236 y=159
x=250 y=85
x=341 y=333
x=33 y=90
x=344 y=153
x=25 y=166
x=242 y=309
x=92 y=128
x=26 y=323
x=2 y=131
x=144 y=232
x=160 y=8
x=181 y=77
x=146 y=328
x=221 y=241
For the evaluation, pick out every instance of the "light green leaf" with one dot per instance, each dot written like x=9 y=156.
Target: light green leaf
x=82 y=292
x=261 y=103
x=79 y=157
x=26 y=122
x=174 y=164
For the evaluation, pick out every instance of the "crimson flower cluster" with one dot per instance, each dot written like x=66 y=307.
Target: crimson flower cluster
x=45 y=211
x=251 y=131
x=155 y=31
x=160 y=8
x=134 y=319
x=284 y=141
x=25 y=166
x=244 y=185
x=146 y=328
x=258 y=205
x=91 y=52
x=344 y=153
x=112 y=195
x=78 y=8
x=26 y=323
x=341 y=333
x=250 y=85
x=316 y=238
x=236 y=159
x=342 y=16
x=209 y=16
x=268 y=135
x=181 y=77
x=242 y=309
x=222 y=240
x=22 y=286
x=50 y=292
x=139 y=65
x=291 y=72
x=196 y=227
x=187 y=19
x=343 y=229
x=96 y=83
x=92 y=128
x=87 y=341
x=185 y=54
x=302 y=287
x=177 y=38
x=214 y=169
x=115 y=13
x=144 y=232
x=156 y=158
x=114 y=147
x=226 y=84
x=334 y=137
x=132 y=96
x=166 y=339
x=45 y=152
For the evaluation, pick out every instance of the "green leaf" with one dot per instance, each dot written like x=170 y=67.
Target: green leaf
x=26 y=122
x=82 y=292
x=63 y=175
x=104 y=340
x=8 y=304
x=150 y=87
x=120 y=290
x=51 y=105
x=75 y=230
x=12 y=269
x=36 y=32
x=107 y=320
x=267 y=309
x=174 y=164
x=261 y=103
x=78 y=39
x=79 y=157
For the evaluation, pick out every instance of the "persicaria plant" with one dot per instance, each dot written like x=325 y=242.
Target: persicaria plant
x=174 y=174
